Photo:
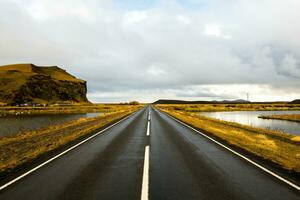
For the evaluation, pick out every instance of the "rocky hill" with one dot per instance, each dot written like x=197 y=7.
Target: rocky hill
x=31 y=84
x=296 y=101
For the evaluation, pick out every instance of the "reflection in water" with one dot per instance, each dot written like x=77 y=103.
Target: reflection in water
x=10 y=125
x=251 y=118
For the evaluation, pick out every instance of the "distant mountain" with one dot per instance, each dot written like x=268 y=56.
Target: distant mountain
x=296 y=101
x=168 y=101
x=236 y=101
x=31 y=84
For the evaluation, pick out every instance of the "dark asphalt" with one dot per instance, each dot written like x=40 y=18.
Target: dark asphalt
x=183 y=165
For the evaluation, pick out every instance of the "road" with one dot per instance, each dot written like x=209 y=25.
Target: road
x=149 y=159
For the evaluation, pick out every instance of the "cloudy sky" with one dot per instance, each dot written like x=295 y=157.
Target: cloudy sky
x=152 y=49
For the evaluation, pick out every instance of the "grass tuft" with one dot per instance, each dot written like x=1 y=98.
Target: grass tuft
x=290 y=117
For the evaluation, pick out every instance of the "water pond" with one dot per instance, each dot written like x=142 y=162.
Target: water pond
x=251 y=118
x=10 y=125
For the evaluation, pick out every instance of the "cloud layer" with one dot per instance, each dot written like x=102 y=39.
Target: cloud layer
x=161 y=49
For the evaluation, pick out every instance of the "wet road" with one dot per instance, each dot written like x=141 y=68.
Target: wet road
x=157 y=159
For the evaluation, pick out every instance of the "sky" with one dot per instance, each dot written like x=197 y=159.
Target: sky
x=161 y=49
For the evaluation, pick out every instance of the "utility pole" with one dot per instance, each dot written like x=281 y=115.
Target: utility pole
x=247 y=96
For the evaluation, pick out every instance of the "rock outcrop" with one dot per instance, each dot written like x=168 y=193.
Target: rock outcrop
x=296 y=101
x=31 y=84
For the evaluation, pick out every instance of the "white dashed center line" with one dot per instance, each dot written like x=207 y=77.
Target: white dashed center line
x=145 y=184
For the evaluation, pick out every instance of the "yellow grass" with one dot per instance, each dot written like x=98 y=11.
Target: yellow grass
x=279 y=148
x=290 y=117
x=30 y=69
x=229 y=107
x=17 y=67
x=19 y=149
x=58 y=109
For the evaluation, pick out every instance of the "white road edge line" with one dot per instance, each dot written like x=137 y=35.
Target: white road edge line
x=241 y=156
x=145 y=183
x=61 y=154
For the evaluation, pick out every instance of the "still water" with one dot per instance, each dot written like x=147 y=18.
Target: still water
x=251 y=118
x=11 y=125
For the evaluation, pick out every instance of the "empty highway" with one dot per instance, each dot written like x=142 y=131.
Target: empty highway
x=148 y=155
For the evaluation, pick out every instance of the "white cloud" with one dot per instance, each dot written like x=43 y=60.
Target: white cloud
x=48 y=10
x=163 y=51
x=212 y=29
x=215 y=30
x=155 y=71
x=134 y=17
x=183 y=19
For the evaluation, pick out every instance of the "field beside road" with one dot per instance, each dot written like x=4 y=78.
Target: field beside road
x=292 y=118
x=24 y=147
x=279 y=148
x=62 y=109
x=231 y=107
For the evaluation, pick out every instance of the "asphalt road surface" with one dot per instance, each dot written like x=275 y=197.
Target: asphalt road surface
x=149 y=159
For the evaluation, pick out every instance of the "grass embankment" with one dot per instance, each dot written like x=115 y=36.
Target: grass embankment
x=58 y=109
x=25 y=147
x=291 y=117
x=230 y=107
x=279 y=148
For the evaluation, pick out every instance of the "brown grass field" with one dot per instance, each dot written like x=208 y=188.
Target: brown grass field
x=280 y=148
x=291 y=117
x=230 y=107
x=59 y=109
x=22 y=148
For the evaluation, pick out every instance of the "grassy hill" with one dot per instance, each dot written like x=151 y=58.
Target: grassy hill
x=296 y=101
x=28 y=83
